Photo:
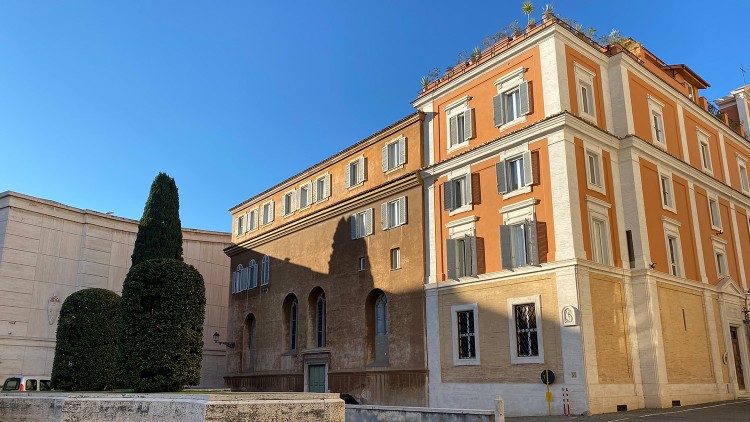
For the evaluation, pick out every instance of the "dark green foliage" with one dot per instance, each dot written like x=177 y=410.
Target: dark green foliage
x=163 y=304
x=160 y=231
x=87 y=336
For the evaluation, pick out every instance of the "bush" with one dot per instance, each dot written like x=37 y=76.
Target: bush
x=159 y=231
x=161 y=346
x=87 y=336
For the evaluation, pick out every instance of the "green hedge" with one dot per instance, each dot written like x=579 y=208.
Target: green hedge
x=87 y=336
x=161 y=346
x=159 y=231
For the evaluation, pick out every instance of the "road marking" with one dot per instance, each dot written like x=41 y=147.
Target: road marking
x=677 y=411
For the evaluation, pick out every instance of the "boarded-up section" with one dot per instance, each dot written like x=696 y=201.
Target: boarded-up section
x=608 y=304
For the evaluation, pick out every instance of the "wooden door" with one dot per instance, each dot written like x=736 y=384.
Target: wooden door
x=316 y=378
x=737 y=358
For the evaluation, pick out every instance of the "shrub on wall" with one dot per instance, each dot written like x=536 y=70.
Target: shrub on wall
x=87 y=336
x=161 y=346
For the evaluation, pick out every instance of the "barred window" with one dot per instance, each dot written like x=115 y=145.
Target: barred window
x=527 y=344
x=466 y=335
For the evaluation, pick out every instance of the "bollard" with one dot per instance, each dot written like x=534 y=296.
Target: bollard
x=499 y=409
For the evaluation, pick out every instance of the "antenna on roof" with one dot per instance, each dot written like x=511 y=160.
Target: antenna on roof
x=742 y=69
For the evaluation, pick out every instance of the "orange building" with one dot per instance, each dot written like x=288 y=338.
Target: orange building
x=586 y=212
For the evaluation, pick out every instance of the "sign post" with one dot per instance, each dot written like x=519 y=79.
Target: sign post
x=548 y=377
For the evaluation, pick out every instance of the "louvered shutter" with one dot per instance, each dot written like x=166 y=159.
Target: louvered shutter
x=467 y=191
x=348 y=175
x=254 y=275
x=469 y=123
x=368 y=221
x=535 y=167
x=502 y=185
x=295 y=200
x=524 y=91
x=532 y=245
x=402 y=151
x=479 y=252
x=270 y=212
x=314 y=190
x=327 y=186
x=402 y=210
x=506 y=247
x=353 y=220
x=453 y=132
x=528 y=178
x=284 y=211
x=362 y=175
x=448 y=195
x=471 y=254
x=476 y=191
x=384 y=157
x=497 y=107
x=384 y=215
x=450 y=254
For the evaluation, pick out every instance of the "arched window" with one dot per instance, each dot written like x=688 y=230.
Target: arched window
x=237 y=279
x=381 y=315
x=320 y=321
x=265 y=274
x=291 y=321
x=249 y=347
x=376 y=308
x=253 y=273
x=293 y=325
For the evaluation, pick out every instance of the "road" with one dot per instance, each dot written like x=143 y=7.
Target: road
x=729 y=411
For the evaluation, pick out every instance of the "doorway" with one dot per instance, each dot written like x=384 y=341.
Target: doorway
x=737 y=358
x=316 y=378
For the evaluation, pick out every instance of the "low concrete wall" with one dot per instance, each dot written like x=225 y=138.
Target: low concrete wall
x=196 y=407
x=359 y=413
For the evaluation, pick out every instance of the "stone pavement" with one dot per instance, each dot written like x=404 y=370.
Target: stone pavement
x=728 y=411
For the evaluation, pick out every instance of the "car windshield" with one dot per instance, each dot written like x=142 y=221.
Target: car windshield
x=11 y=384
x=45 y=385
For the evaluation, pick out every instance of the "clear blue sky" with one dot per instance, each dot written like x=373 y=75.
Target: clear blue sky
x=229 y=98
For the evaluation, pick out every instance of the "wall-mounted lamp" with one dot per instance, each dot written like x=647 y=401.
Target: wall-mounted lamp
x=652 y=265
x=229 y=344
x=718 y=232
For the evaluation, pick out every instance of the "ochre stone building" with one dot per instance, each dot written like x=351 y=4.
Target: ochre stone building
x=49 y=250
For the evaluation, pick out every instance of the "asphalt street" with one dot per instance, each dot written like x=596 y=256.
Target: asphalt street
x=730 y=411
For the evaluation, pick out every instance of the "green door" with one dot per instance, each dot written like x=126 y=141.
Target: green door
x=316 y=378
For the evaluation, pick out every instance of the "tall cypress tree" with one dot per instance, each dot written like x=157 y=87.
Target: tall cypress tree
x=160 y=230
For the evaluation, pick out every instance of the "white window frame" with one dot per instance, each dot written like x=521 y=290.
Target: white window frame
x=457 y=174
x=271 y=216
x=367 y=228
x=454 y=109
x=656 y=110
x=720 y=247
x=672 y=229
x=317 y=197
x=401 y=144
x=362 y=263
x=597 y=153
x=514 y=358
x=599 y=210
x=395 y=256
x=399 y=202
x=509 y=83
x=706 y=160
x=454 y=324
x=241 y=225
x=308 y=197
x=664 y=174
x=717 y=224
x=742 y=170
x=361 y=163
x=585 y=79
x=265 y=270
x=252 y=216
x=287 y=211
x=512 y=154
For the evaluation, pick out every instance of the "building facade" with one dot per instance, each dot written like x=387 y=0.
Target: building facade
x=49 y=250
x=585 y=213
x=327 y=277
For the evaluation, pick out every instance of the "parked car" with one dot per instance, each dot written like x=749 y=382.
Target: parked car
x=27 y=383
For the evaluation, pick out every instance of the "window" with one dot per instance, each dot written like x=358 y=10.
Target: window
x=744 y=182
x=515 y=173
x=305 y=195
x=525 y=330
x=243 y=278
x=322 y=188
x=460 y=124
x=585 y=86
x=268 y=212
x=288 y=203
x=518 y=244
x=594 y=169
x=253 y=273
x=457 y=192
x=721 y=263
x=252 y=220
x=394 y=154
x=395 y=258
x=320 y=321
x=356 y=172
x=673 y=255
x=393 y=213
x=705 y=152
x=362 y=263
x=587 y=99
x=249 y=346
x=265 y=273
x=599 y=243
x=713 y=209
x=30 y=385
x=361 y=224
x=381 y=330
x=465 y=256
x=293 y=325
x=656 y=113
x=241 y=225
x=465 y=332
x=512 y=104
x=667 y=197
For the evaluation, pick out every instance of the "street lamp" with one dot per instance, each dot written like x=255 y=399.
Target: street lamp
x=229 y=344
